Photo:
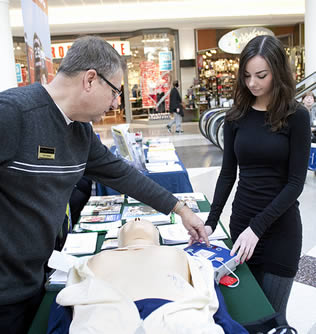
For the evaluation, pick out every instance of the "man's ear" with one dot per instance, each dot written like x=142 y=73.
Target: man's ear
x=89 y=78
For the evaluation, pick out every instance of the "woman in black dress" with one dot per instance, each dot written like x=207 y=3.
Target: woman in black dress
x=267 y=136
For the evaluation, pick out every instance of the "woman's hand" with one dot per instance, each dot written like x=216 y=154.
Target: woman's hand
x=245 y=245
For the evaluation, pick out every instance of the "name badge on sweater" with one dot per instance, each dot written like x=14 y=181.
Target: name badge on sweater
x=46 y=152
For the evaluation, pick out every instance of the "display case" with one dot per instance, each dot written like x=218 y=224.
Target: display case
x=217 y=77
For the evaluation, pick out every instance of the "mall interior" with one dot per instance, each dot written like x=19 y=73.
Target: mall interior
x=166 y=40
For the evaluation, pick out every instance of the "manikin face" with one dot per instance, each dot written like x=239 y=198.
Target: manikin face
x=103 y=97
x=138 y=231
x=258 y=77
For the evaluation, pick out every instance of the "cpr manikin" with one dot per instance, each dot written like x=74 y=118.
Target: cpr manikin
x=109 y=290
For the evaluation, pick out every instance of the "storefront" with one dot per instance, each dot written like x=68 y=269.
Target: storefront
x=152 y=59
x=217 y=69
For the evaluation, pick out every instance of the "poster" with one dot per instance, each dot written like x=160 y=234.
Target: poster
x=165 y=61
x=154 y=84
x=37 y=40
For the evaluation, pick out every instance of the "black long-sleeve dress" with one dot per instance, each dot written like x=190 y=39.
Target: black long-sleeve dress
x=272 y=172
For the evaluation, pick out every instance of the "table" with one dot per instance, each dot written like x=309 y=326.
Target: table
x=175 y=182
x=246 y=303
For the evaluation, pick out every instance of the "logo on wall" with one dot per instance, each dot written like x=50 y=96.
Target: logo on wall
x=236 y=40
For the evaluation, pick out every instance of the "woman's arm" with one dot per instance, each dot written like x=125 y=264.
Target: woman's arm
x=226 y=178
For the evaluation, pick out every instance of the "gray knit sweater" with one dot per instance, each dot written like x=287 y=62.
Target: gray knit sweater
x=34 y=192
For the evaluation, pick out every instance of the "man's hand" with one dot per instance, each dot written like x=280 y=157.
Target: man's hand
x=245 y=244
x=194 y=225
x=208 y=231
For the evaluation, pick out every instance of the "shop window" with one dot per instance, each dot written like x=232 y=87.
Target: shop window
x=151 y=70
x=217 y=76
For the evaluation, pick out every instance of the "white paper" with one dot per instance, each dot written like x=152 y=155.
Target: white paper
x=161 y=156
x=113 y=233
x=176 y=233
x=80 y=243
x=61 y=261
x=109 y=244
x=101 y=226
x=190 y=196
x=163 y=167
x=161 y=147
x=58 y=277
x=132 y=200
x=158 y=140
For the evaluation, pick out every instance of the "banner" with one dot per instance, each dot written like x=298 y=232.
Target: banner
x=37 y=40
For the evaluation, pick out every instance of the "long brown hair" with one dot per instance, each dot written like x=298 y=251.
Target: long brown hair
x=282 y=102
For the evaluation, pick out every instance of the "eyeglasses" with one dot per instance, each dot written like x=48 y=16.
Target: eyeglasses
x=115 y=91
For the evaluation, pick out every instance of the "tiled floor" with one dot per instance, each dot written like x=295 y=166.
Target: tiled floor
x=203 y=160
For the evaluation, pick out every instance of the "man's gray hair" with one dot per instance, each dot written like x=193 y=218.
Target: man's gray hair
x=91 y=52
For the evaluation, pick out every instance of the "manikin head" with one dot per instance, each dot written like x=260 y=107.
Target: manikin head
x=138 y=232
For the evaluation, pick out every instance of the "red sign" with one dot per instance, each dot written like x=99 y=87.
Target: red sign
x=59 y=50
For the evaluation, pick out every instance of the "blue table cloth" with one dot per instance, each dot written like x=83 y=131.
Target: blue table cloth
x=175 y=182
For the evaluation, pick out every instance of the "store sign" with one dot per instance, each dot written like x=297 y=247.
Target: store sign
x=59 y=50
x=18 y=71
x=236 y=40
x=165 y=61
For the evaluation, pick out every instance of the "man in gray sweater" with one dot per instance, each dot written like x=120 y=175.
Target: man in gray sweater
x=47 y=146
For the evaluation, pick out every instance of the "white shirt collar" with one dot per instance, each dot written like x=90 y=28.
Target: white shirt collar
x=67 y=119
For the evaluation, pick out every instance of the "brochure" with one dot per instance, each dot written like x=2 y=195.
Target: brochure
x=97 y=210
x=105 y=200
x=100 y=219
x=145 y=212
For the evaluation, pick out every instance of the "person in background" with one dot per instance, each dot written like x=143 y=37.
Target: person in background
x=308 y=100
x=175 y=108
x=135 y=91
x=266 y=135
x=122 y=102
x=48 y=146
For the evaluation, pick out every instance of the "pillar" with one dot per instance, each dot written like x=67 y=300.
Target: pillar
x=187 y=51
x=310 y=41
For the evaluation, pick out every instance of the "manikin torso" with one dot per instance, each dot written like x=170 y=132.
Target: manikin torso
x=141 y=272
